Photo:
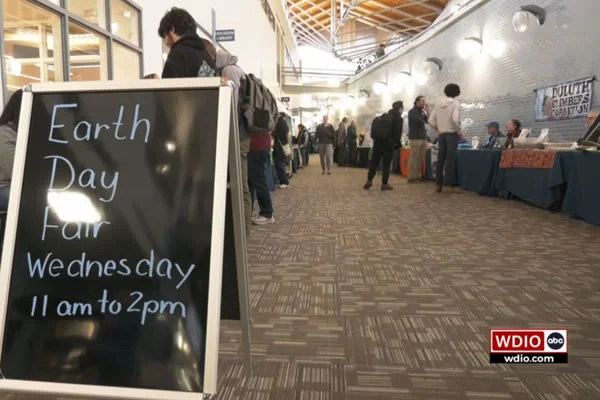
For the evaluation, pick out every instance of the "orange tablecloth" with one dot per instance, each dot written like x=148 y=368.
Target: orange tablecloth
x=527 y=159
x=404 y=157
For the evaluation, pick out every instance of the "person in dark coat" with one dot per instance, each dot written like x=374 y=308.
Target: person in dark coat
x=383 y=150
x=281 y=137
x=352 y=140
x=188 y=55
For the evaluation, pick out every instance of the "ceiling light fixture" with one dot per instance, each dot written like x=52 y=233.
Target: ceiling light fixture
x=470 y=47
x=520 y=20
x=379 y=88
x=433 y=66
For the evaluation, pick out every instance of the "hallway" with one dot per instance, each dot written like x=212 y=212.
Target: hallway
x=368 y=295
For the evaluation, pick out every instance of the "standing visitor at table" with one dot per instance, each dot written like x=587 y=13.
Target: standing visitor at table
x=352 y=140
x=445 y=119
x=325 y=136
x=9 y=124
x=417 y=135
x=513 y=131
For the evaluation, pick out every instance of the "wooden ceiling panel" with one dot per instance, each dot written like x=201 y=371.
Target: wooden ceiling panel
x=396 y=19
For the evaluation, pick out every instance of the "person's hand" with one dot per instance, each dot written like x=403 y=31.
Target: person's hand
x=426 y=108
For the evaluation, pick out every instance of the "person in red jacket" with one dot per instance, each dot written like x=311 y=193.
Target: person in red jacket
x=259 y=158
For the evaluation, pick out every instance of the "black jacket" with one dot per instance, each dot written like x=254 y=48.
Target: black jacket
x=186 y=57
x=282 y=131
x=397 y=127
x=416 y=124
x=325 y=134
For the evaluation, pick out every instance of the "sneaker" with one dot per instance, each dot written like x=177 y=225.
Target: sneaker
x=328 y=172
x=438 y=188
x=260 y=220
x=385 y=187
x=368 y=185
x=323 y=173
x=284 y=186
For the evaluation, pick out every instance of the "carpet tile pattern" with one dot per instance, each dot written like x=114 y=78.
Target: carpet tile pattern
x=362 y=295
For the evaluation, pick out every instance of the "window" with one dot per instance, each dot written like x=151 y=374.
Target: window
x=90 y=10
x=87 y=53
x=125 y=21
x=32 y=41
x=125 y=63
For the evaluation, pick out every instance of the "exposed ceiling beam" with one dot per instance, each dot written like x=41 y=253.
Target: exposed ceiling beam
x=416 y=17
x=416 y=28
x=298 y=20
x=304 y=12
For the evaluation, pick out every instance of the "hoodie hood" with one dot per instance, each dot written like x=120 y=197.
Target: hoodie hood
x=224 y=59
x=447 y=102
x=191 y=39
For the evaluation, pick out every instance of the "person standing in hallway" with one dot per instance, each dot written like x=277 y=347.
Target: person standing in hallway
x=304 y=143
x=325 y=136
x=9 y=125
x=417 y=135
x=342 y=133
x=259 y=158
x=352 y=141
x=229 y=71
x=384 y=145
x=281 y=138
x=188 y=56
x=445 y=119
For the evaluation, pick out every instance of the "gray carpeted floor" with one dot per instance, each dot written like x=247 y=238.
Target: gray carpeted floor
x=391 y=295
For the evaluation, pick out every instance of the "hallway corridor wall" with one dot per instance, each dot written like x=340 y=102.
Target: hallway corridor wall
x=498 y=89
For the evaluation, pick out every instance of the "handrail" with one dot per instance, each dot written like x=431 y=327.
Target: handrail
x=436 y=28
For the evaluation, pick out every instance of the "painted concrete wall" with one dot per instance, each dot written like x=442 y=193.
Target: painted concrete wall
x=563 y=49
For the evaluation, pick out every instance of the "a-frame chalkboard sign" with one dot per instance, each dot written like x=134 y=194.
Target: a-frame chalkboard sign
x=112 y=265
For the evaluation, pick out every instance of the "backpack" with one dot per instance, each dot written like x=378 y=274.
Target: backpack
x=382 y=126
x=258 y=106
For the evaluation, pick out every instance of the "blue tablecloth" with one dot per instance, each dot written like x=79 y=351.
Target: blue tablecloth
x=477 y=170
x=542 y=187
x=582 y=198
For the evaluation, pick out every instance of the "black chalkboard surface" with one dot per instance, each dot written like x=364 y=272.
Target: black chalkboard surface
x=119 y=227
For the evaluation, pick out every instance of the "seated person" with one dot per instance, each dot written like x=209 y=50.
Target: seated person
x=9 y=121
x=462 y=139
x=513 y=130
x=495 y=136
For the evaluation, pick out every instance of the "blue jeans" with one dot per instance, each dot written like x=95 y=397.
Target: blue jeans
x=4 y=192
x=448 y=147
x=257 y=180
x=305 y=155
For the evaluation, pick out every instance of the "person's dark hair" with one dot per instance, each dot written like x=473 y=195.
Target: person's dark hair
x=516 y=123
x=12 y=111
x=210 y=48
x=397 y=105
x=345 y=119
x=452 y=90
x=300 y=127
x=177 y=20
x=151 y=76
x=418 y=99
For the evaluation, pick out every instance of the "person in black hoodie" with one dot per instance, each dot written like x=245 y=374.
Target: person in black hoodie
x=384 y=149
x=282 y=131
x=188 y=55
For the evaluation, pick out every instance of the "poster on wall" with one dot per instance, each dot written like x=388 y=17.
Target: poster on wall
x=564 y=101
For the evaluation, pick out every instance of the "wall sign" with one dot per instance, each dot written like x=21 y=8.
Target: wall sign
x=565 y=100
x=225 y=35
x=285 y=99
x=113 y=251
